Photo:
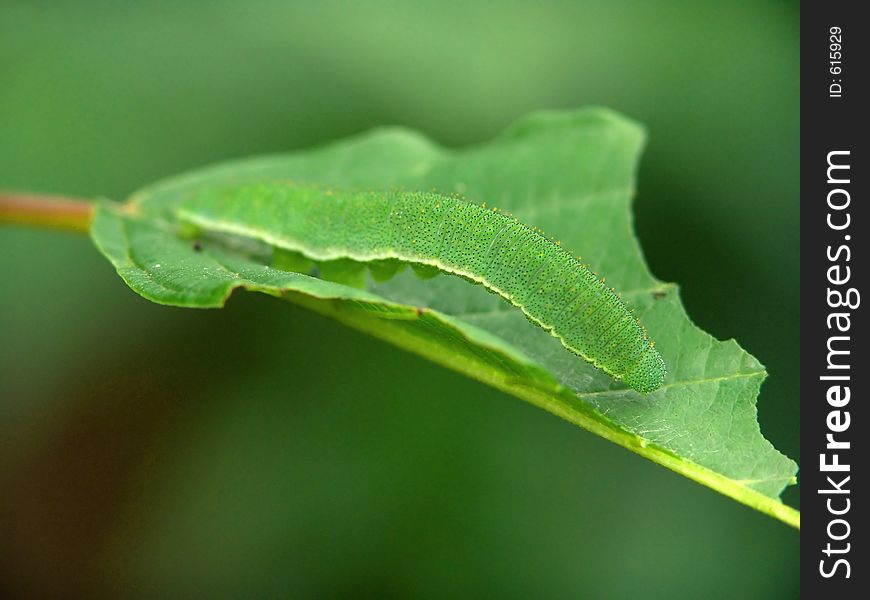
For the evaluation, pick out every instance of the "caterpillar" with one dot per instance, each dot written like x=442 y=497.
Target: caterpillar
x=450 y=235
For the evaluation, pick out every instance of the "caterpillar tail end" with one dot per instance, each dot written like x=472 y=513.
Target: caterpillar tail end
x=648 y=373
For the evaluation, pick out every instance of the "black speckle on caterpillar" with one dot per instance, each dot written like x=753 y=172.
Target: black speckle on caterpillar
x=435 y=233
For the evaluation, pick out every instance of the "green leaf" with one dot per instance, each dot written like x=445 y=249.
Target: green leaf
x=570 y=174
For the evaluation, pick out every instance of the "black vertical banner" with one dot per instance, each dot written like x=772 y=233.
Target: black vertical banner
x=835 y=372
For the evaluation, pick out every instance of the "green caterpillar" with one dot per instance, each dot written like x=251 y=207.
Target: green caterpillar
x=516 y=262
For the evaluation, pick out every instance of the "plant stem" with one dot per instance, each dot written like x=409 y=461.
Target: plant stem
x=56 y=212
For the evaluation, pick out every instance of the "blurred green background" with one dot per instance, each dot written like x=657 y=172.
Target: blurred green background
x=265 y=451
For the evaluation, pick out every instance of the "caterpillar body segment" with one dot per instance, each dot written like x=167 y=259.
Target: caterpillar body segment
x=454 y=236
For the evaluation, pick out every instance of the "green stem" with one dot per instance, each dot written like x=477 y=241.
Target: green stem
x=551 y=401
x=56 y=212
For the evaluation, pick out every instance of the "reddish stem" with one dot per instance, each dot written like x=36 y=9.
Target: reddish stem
x=56 y=212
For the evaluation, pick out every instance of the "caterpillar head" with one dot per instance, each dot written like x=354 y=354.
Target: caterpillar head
x=648 y=373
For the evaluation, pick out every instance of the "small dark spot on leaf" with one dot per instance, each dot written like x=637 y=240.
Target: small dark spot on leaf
x=659 y=294
x=419 y=312
x=197 y=246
